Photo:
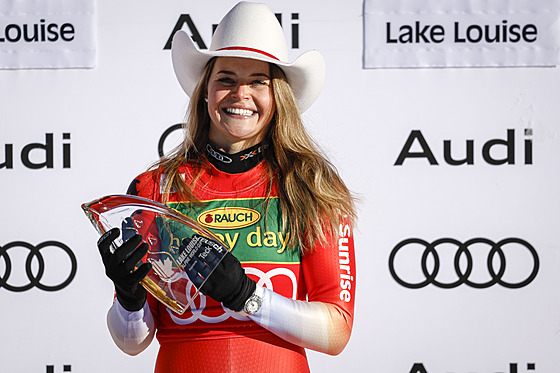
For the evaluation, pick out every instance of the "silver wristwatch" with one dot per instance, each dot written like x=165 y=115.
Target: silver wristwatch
x=254 y=303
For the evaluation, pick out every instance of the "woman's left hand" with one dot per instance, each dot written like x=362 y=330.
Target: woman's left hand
x=229 y=284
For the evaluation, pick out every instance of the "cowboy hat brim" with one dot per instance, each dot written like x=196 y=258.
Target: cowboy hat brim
x=306 y=75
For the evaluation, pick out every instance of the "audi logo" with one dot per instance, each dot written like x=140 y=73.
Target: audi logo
x=463 y=262
x=264 y=279
x=34 y=279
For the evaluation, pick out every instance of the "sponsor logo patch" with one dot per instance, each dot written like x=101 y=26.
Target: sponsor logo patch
x=229 y=218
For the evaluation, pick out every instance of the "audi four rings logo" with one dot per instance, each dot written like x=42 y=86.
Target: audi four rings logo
x=464 y=267
x=265 y=279
x=34 y=278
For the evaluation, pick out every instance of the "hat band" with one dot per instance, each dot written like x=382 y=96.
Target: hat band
x=250 y=50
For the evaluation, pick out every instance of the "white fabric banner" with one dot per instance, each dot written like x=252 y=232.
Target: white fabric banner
x=453 y=167
x=461 y=33
x=37 y=34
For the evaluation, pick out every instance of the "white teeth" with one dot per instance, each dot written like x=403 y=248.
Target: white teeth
x=239 y=111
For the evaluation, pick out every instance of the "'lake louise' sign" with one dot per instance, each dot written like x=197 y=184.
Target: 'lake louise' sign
x=461 y=33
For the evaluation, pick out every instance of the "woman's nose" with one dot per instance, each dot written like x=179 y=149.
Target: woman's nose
x=241 y=91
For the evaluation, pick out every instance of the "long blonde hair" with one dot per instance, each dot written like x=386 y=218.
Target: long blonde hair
x=312 y=196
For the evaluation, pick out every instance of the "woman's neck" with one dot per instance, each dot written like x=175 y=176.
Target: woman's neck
x=237 y=162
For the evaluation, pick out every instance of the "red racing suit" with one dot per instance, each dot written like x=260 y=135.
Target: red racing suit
x=308 y=301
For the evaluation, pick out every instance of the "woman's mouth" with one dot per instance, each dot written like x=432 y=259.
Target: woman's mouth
x=239 y=111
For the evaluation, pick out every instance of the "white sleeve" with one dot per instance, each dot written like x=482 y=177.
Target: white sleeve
x=315 y=325
x=132 y=331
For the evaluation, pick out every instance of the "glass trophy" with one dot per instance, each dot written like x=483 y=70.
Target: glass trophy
x=183 y=254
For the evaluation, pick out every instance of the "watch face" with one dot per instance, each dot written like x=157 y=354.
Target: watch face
x=252 y=305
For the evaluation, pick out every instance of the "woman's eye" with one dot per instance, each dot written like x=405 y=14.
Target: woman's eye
x=260 y=82
x=226 y=80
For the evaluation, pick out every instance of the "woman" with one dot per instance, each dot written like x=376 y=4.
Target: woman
x=288 y=283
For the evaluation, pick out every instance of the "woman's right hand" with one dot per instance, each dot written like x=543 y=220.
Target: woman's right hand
x=120 y=267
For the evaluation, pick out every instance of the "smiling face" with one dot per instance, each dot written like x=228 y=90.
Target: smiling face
x=240 y=103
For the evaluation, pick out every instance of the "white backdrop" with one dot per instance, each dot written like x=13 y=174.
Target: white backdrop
x=113 y=116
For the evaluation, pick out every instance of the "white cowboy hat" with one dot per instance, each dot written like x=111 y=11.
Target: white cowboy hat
x=250 y=30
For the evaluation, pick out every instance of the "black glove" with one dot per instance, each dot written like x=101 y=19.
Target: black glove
x=228 y=283
x=119 y=267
